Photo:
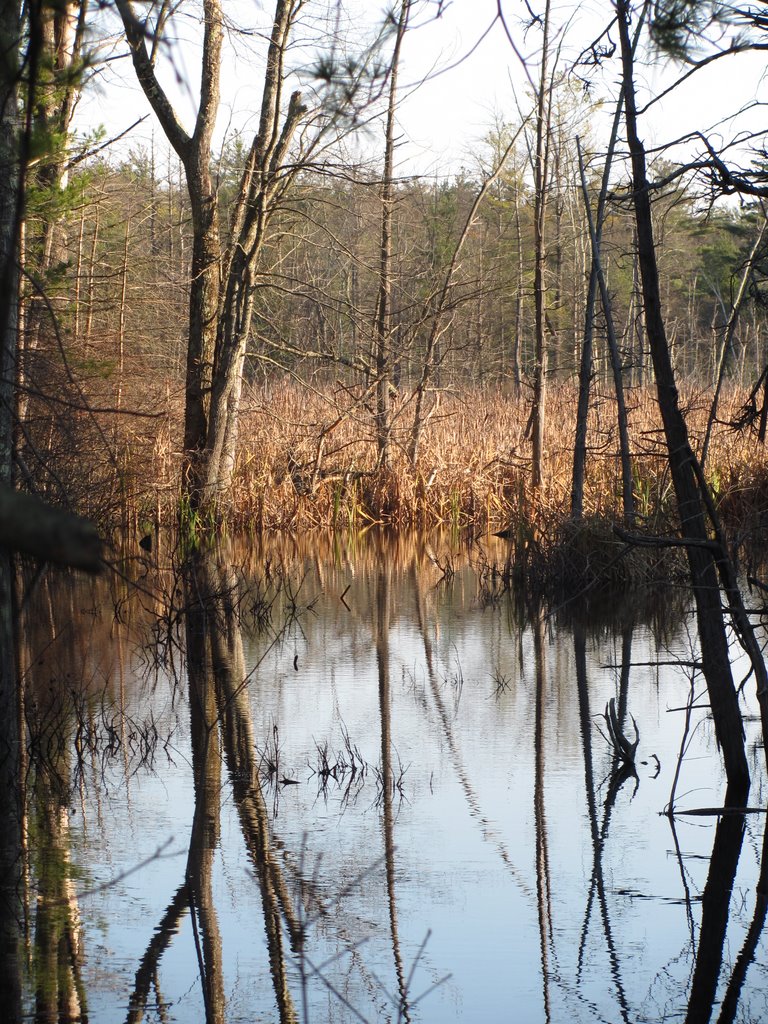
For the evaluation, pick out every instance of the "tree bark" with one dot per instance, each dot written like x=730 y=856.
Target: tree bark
x=703 y=571
x=597 y=274
x=383 y=317
x=11 y=963
x=541 y=176
x=222 y=279
x=10 y=220
x=194 y=151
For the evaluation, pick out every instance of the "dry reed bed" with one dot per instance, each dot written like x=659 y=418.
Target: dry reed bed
x=307 y=462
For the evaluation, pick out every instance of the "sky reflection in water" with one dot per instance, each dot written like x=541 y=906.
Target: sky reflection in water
x=474 y=833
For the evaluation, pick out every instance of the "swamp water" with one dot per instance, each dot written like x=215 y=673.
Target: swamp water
x=351 y=781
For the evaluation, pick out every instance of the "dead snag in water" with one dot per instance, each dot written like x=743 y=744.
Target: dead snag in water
x=623 y=748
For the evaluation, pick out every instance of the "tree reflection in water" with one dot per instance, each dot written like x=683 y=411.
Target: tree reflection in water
x=11 y=906
x=388 y=610
x=599 y=833
x=388 y=791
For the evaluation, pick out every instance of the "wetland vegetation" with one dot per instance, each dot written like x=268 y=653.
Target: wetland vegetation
x=382 y=577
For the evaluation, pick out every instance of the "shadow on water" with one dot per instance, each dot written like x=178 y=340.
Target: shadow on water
x=84 y=720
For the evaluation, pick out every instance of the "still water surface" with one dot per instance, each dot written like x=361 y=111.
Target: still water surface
x=388 y=797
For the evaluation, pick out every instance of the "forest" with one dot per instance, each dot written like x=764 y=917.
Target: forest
x=270 y=335
x=254 y=347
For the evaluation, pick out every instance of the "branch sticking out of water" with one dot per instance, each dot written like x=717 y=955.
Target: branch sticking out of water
x=623 y=748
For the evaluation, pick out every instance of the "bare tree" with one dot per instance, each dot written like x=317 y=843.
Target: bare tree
x=541 y=185
x=682 y=461
x=223 y=275
x=383 y=316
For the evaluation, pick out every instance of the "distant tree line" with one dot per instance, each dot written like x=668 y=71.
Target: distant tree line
x=119 y=290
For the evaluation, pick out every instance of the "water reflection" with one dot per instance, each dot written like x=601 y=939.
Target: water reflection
x=357 y=745
x=748 y=951
x=10 y=806
x=599 y=831
x=218 y=697
x=715 y=904
x=388 y=791
x=543 y=885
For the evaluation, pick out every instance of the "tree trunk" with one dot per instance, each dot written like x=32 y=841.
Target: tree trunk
x=628 y=501
x=730 y=329
x=264 y=182
x=703 y=571
x=586 y=365
x=11 y=174
x=222 y=282
x=541 y=175
x=383 y=317
x=438 y=304
x=519 y=299
x=194 y=151
x=10 y=739
x=56 y=36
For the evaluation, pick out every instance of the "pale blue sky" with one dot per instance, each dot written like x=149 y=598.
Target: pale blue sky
x=444 y=119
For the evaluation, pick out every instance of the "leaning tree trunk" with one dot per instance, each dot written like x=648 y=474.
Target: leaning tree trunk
x=439 y=302
x=585 y=369
x=265 y=180
x=703 y=570
x=730 y=330
x=628 y=500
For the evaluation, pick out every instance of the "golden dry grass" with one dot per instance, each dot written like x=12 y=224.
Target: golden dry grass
x=307 y=462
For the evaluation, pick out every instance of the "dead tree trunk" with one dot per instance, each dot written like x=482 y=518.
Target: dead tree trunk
x=541 y=182
x=383 y=316
x=701 y=560
x=586 y=365
x=628 y=500
x=438 y=303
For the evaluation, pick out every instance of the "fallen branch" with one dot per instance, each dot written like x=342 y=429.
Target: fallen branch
x=641 y=540
x=713 y=811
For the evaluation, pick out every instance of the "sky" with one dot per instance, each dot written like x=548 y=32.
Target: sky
x=459 y=75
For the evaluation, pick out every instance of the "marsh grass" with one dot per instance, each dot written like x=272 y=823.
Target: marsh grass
x=474 y=469
x=304 y=463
